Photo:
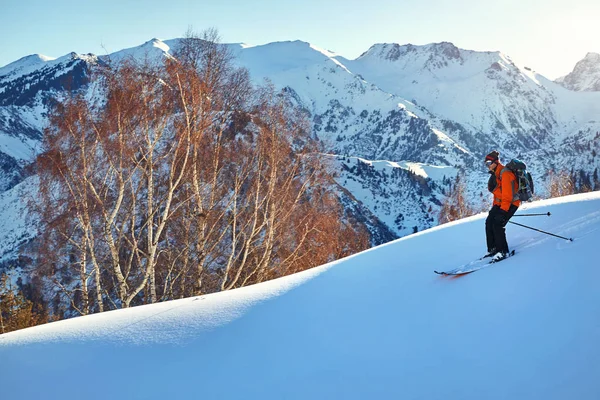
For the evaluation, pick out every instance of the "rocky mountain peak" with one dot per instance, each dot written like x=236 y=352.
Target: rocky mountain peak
x=585 y=77
x=446 y=49
x=592 y=57
x=394 y=51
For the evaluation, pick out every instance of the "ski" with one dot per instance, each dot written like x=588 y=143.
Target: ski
x=473 y=266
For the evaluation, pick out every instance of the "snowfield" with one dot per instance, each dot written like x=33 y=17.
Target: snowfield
x=379 y=324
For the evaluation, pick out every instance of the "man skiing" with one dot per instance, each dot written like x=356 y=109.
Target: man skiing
x=503 y=184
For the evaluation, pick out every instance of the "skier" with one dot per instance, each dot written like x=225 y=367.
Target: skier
x=503 y=184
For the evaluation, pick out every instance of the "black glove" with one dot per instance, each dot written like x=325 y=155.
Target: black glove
x=492 y=182
x=501 y=216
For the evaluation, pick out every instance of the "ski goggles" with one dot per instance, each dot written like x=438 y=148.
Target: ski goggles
x=489 y=162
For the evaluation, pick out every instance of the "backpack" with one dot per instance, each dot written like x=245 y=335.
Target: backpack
x=524 y=179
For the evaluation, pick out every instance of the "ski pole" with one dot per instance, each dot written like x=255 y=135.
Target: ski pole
x=531 y=215
x=547 y=233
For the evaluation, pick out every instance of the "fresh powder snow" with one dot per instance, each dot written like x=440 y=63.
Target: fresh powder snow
x=379 y=324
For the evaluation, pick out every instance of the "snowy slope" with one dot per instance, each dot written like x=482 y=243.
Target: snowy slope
x=24 y=66
x=16 y=227
x=404 y=196
x=154 y=49
x=27 y=86
x=378 y=324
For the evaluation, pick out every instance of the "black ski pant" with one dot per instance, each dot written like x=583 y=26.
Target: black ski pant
x=495 y=231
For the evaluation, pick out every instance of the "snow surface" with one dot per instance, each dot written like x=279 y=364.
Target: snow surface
x=154 y=49
x=436 y=173
x=25 y=64
x=21 y=148
x=379 y=324
x=36 y=62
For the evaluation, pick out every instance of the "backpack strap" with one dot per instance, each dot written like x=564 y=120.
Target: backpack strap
x=515 y=190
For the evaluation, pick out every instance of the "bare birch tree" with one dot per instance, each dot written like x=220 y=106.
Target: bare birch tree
x=456 y=204
x=560 y=184
x=182 y=179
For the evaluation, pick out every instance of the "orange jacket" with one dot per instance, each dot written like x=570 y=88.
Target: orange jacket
x=507 y=187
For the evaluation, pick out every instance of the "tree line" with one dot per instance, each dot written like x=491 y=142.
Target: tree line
x=178 y=178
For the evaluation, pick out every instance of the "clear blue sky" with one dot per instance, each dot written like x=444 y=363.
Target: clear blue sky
x=549 y=36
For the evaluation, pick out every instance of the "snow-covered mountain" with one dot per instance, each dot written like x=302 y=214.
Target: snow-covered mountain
x=484 y=91
x=435 y=104
x=394 y=118
x=585 y=77
x=377 y=325
x=351 y=115
x=26 y=88
x=496 y=102
x=403 y=195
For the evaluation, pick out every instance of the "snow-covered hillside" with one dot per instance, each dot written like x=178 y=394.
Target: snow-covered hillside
x=379 y=324
x=16 y=226
x=26 y=88
x=404 y=196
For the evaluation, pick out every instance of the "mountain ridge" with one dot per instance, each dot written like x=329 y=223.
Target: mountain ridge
x=434 y=104
x=585 y=77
